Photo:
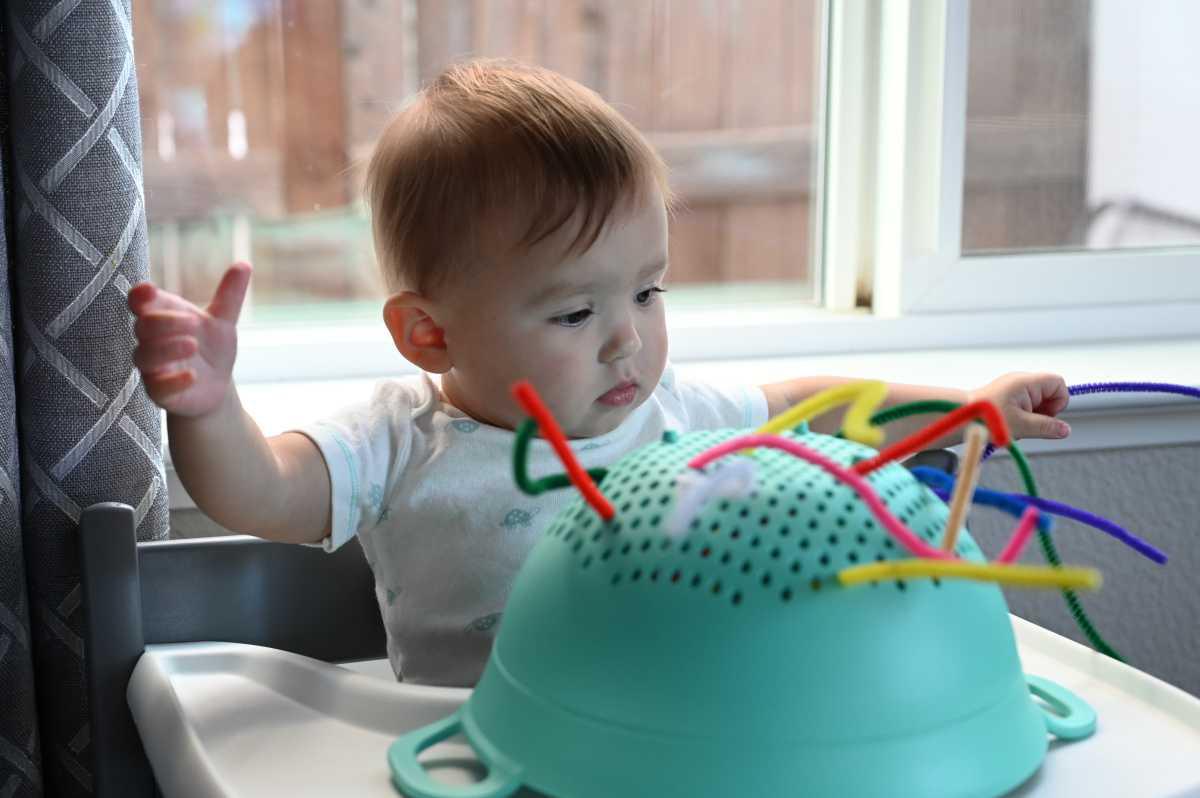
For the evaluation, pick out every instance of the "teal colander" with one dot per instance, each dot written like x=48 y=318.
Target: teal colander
x=731 y=662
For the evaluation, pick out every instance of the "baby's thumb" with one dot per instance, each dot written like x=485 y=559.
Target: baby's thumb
x=1040 y=426
x=227 y=301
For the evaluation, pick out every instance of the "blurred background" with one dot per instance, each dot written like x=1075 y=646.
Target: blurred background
x=258 y=116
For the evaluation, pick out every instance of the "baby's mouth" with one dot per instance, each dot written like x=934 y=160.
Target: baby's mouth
x=621 y=395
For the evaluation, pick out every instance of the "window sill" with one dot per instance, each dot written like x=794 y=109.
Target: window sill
x=1104 y=421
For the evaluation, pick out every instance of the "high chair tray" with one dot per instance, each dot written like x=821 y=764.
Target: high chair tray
x=226 y=719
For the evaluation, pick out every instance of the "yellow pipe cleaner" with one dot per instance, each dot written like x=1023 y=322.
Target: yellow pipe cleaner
x=1018 y=575
x=864 y=397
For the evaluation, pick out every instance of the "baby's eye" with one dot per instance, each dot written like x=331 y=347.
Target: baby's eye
x=647 y=296
x=574 y=319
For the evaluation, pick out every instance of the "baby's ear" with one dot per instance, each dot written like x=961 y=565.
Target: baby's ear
x=409 y=318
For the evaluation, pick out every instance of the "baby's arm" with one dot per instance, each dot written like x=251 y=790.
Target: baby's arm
x=1029 y=403
x=275 y=488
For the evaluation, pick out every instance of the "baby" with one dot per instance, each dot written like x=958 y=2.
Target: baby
x=521 y=225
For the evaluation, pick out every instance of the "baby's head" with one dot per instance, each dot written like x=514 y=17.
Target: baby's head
x=521 y=226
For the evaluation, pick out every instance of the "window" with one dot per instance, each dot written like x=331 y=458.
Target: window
x=258 y=117
x=1037 y=155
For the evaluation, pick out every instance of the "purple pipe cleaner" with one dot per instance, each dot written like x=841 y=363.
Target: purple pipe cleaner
x=1119 y=387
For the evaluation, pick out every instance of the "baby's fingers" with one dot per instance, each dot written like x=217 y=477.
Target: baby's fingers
x=164 y=385
x=147 y=297
x=158 y=324
x=153 y=354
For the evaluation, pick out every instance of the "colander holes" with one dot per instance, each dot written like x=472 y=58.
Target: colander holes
x=795 y=567
x=813 y=523
x=705 y=552
x=635 y=523
x=824 y=560
x=586 y=561
x=786 y=595
x=804 y=543
x=645 y=545
x=887 y=542
x=578 y=545
x=775 y=553
x=815 y=584
x=644 y=503
x=901 y=585
x=820 y=507
x=828 y=494
x=696 y=580
x=784 y=531
x=715 y=527
x=654 y=575
x=616 y=579
x=606 y=554
x=755 y=541
x=636 y=575
x=626 y=507
x=743 y=512
x=849 y=507
x=937 y=582
x=869 y=523
x=852 y=556
x=791 y=512
x=772 y=502
x=747 y=566
x=766 y=580
x=625 y=549
x=736 y=598
x=725 y=558
x=862 y=539
x=802 y=496
x=723 y=506
x=675 y=575
x=664 y=500
x=764 y=520
x=735 y=534
x=654 y=519
x=716 y=588
x=685 y=546
x=833 y=540
x=841 y=522
x=635 y=488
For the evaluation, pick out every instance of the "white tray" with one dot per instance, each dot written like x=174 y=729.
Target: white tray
x=225 y=719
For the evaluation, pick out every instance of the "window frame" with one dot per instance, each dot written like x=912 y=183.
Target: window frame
x=919 y=266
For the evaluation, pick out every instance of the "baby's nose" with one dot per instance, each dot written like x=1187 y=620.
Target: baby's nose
x=624 y=342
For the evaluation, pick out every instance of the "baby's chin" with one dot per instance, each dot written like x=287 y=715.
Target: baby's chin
x=600 y=423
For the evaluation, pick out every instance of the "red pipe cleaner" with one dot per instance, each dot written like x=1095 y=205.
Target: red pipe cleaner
x=529 y=399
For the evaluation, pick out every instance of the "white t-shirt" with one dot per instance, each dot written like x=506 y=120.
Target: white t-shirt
x=430 y=494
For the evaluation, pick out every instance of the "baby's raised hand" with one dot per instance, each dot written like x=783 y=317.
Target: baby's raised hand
x=186 y=353
x=1029 y=403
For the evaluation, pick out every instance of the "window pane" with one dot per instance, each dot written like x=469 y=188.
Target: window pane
x=258 y=117
x=1081 y=121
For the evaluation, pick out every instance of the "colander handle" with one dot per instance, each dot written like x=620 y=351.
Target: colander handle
x=411 y=778
x=1072 y=718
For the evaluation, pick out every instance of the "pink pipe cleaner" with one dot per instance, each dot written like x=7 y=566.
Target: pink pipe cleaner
x=893 y=525
x=1020 y=537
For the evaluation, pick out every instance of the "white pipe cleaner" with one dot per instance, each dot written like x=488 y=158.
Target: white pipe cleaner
x=733 y=478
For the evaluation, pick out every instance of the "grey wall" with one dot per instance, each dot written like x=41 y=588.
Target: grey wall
x=1148 y=613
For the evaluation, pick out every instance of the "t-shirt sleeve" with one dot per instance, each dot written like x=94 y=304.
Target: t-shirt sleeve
x=364 y=446
x=710 y=406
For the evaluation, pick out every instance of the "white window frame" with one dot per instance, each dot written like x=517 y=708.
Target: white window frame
x=919 y=267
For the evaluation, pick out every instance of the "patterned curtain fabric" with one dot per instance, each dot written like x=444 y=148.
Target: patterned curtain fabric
x=85 y=429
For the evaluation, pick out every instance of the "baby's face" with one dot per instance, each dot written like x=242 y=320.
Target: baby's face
x=588 y=331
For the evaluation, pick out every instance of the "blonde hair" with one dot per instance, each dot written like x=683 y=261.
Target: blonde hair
x=499 y=154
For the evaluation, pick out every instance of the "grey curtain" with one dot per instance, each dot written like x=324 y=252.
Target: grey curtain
x=76 y=426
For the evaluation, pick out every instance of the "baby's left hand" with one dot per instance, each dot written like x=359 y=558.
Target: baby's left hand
x=1029 y=403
